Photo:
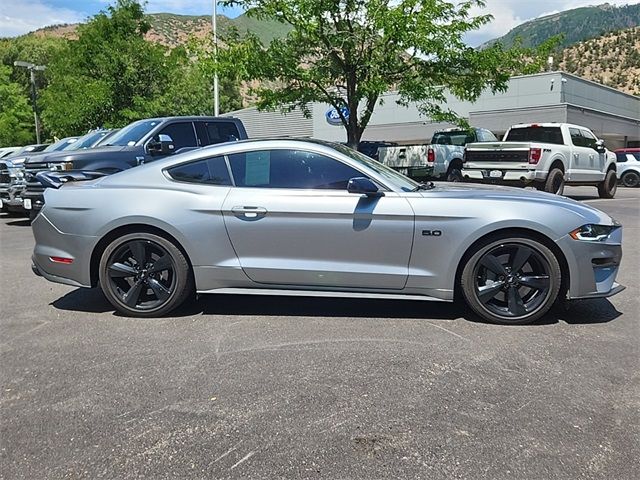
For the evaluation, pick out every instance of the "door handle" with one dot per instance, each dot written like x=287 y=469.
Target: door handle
x=249 y=211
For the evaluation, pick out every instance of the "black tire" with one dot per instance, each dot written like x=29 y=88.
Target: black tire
x=555 y=182
x=145 y=275
x=454 y=175
x=511 y=280
x=630 y=179
x=608 y=187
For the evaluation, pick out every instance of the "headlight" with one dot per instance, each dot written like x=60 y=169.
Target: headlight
x=593 y=233
x=61 y=166
x=16 y=172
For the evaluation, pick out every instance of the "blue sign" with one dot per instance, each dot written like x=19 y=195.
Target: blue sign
x=333 y=117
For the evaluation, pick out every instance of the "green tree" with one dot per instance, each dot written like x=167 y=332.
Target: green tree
x=16 y=117
x=108 y=75
x=349 y=52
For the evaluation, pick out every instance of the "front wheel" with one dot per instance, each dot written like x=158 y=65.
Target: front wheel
x=511 y=280
x=608 y=187
x=145 y=275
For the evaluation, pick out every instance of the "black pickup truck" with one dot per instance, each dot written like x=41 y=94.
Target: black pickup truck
x=137 y=143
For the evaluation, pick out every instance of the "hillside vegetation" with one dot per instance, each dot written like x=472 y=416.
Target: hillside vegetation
x=171 y=30
x=612 y=59
x=574 y=25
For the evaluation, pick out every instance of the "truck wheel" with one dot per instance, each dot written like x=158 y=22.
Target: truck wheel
x=608 y=187
x=454 y=175
x=631 y=179
x=555 y=182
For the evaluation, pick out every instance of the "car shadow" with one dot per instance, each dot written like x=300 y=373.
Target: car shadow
x=594 y=311
x=24 y=222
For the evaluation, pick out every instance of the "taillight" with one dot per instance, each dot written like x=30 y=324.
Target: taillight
x=534 y=155
x=431 y=155
x=64 y=260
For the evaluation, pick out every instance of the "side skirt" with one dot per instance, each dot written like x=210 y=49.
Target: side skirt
x=321 y=293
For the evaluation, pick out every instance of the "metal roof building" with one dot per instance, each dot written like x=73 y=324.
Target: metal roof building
x=546 y=97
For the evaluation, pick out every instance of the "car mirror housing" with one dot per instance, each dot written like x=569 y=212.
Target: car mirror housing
x=363 y=186
x=600 y=146
x=163 y=146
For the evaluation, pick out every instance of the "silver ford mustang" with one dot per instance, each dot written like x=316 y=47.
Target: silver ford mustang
x=293 y=217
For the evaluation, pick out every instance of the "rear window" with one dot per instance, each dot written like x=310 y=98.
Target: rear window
x=536 y=134
x=458 y=138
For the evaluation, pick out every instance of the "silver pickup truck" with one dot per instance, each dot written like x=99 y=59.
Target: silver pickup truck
x=441 y=159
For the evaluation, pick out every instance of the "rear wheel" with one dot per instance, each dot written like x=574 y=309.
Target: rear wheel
x=608 y=187
x=511 y=280
x=631 y=179
x=145 y=275
x=454 y=174
x=555 y=182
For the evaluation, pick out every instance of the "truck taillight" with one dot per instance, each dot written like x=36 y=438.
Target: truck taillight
x=431 y=155
x=534 y=155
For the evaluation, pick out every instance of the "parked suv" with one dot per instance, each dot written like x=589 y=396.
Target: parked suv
x=137 y=143
x=628 y=160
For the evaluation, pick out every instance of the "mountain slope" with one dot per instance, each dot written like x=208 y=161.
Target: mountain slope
x=575 y=25
x=612 y=59
x=172 y=30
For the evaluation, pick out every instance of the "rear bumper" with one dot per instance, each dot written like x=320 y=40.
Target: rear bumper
x=506 y=175
x=50 y=242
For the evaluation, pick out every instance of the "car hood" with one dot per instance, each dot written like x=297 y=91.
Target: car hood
x=58 y=157
x=512 y=194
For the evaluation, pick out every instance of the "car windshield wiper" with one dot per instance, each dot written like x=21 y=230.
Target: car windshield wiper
x=424 y=186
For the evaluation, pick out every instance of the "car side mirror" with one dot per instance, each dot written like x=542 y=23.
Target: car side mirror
x=600 y=146
x=163 y=146
x=364 y=186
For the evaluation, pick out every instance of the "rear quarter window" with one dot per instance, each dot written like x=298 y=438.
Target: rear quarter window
x=211 y=171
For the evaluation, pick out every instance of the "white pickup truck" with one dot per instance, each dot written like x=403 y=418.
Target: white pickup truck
x=441 y=159
x=544 y=155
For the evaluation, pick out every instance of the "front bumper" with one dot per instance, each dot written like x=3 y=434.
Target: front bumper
x=35 y=200
x=593 y=266
x=11 y=196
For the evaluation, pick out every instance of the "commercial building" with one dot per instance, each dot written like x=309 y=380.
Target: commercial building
x=546 y=97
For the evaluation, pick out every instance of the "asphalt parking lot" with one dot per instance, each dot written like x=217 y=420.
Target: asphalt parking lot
x=267 y=387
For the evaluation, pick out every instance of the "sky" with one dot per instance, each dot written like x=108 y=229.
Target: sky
x=22 y=16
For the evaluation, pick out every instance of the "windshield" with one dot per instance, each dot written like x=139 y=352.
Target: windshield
x=459 y=138
x=60 y=144
x=132 y=133
x=404 y=183
x=87 y=141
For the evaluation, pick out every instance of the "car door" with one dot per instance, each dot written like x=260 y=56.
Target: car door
x=580 y=157
x=597 y=160
x=292 y=222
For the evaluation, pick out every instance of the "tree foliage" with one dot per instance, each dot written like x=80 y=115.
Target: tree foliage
x=349 y=52
x=111 y=75
x=16 y=117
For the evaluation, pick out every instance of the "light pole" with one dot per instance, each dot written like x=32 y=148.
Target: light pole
x=34 y=95
x=214 y=24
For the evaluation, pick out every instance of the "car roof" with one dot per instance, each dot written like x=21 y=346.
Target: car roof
x=627 y=150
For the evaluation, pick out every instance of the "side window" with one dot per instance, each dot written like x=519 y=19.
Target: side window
x=576 y=137
x=621 y=157
x=181 y=133
x=211 y=133
x=212 y=171
x=589 y=139
x=290 y=169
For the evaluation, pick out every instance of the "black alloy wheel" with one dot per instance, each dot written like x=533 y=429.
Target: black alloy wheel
x=144 y=275
x=512 y=281
x=555 y=182
x=631 y=179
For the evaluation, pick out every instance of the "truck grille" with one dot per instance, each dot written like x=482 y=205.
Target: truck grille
x=497 y=156
x=4 y=174
x=30 y=171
